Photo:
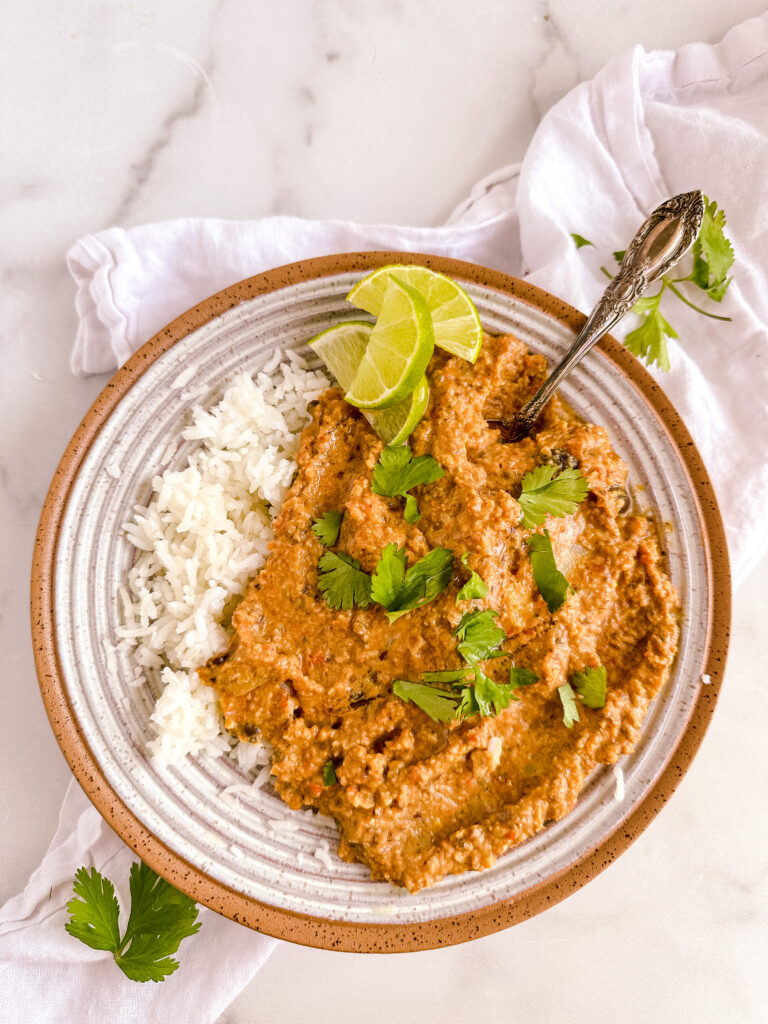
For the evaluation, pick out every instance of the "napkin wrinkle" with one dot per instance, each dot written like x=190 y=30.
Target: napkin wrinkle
x=601 y=159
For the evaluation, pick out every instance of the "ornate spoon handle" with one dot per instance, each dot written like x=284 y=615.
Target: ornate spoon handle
x=661 y=241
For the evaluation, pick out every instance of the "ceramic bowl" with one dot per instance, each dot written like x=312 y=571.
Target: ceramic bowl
x=225 y=853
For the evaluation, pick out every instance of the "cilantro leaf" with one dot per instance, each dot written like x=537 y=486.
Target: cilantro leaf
x=411 y=512
x=543 y=494
x=451 y=676
x=399 y=592
x=479 y=636
x=160 y=918
x=329 y=774
x=712 y=253
x=397 y=471
x=491 y=697
x=568 y=700
x=619 y=255
x=440 y=705
x=389 y=578
x=590 y=684
x=580 y=240
x=342 y=581
x=326 y=528
x=94 y=915
x=474 y=588
x=649 y=340
x=521 y=677
x=552 y=585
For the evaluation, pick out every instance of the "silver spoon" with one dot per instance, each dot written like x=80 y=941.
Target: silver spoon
x=662 y=240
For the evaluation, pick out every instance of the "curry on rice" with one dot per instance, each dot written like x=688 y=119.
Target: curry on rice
x=416 y=799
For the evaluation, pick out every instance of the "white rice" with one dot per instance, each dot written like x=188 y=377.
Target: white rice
x=202 y=535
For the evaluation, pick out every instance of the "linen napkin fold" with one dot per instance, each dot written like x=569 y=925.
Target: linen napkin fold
x=648 y=126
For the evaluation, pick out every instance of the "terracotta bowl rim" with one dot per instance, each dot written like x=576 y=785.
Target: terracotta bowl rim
x=285 y=924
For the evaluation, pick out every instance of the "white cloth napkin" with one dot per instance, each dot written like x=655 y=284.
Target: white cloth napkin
x=648 y=126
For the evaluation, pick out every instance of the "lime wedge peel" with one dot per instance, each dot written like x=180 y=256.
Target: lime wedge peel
x=398 y=351
x=341 y=348
x=455 y=319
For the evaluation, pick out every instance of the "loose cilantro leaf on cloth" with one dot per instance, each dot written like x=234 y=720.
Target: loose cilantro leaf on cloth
x=649 y=340
x=440 y=705
x=160 y=918
x=398 y=471
x=479 y=636
x=342 y=581
x=712 y=254
x=568 y=700
x=326 y=528
x=329 y=774
x=474 y=588
x=580 y=240
x=590 y=684
x=553 y=586
x=545 y=494
x=398 y=591
x=94 y=916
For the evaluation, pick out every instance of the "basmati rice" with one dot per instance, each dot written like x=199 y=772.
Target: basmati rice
x=199 y=539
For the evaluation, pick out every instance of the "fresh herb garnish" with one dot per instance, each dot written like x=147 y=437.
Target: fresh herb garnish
x=590 y=684
x=474 y=588
x=545 y=494
x=397 y=472
x=399 y=591
x=713 y=257
x=568 y=700
x=649 y=340
x=326 y=528
x=479 y=636
x=479 y=639
x=343 y=582
x=329 y=774
x=553 y=586
x=160 y=918
x=440 y=705
x=521 y=677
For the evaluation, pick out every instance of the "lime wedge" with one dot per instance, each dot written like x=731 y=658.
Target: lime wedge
x=454 y=318
x=341 y=348
x=399 y=349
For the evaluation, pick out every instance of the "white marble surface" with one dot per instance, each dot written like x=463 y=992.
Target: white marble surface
x=378 y=111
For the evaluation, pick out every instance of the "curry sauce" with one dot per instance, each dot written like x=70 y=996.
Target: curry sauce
x=416 y=799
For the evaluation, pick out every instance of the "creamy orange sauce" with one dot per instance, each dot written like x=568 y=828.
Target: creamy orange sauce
x=417 y=799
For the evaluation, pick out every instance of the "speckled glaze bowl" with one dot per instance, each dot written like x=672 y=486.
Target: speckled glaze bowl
x=225 y=853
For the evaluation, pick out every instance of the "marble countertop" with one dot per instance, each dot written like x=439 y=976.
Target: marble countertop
x=119 y=113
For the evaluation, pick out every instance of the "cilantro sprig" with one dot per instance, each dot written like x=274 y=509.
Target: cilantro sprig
x=544 y=494
x=160 y=918
x=472 y=691
x=399 y=590
x=397 y=472
x=712 y=258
